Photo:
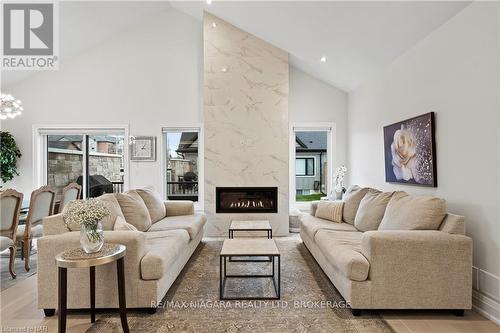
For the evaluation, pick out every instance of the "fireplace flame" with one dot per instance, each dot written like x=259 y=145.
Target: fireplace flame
x=247 y=204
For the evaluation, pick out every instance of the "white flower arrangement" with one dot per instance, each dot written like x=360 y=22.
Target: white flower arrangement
x=87 y=214
x=338 y=178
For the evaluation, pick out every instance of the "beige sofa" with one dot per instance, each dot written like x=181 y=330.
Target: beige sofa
x=409 y=268
x=153 y=260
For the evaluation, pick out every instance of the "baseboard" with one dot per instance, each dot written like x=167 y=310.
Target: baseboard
x=486 y=294
x=486 y=306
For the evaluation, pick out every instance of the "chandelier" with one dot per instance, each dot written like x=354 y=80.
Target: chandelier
x=9 y=107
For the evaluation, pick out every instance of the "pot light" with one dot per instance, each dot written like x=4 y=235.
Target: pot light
x=214 y=25
x=209 y=2
x=323 y=59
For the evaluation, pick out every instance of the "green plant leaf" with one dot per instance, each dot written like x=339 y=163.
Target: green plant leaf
x=9 y=154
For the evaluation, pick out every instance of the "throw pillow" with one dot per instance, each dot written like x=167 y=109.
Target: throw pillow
x=371 y=210
x=134 y=210
x=114 y=208
x=121 y=224
x=153 y=201
x=352 y=198
x=330 y=210
x=407 y=212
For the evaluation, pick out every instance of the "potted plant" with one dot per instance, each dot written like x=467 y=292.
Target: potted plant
x=87 y=215
x=9 y=153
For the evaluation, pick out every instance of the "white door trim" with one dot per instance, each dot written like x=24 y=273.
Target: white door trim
x=330 y=127
x=194 y=126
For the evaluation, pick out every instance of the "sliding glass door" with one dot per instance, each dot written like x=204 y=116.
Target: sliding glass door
x=95 y=161
x=65 y=160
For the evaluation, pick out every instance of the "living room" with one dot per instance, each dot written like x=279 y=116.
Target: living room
x=337 y=143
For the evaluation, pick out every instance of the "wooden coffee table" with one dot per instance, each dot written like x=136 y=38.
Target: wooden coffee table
x=250 y=247
x=261 y=225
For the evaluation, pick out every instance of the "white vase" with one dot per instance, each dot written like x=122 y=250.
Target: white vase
x=338 y=195
x=92 y=239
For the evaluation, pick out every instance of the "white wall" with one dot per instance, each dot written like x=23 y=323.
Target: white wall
x=455 y=73
x=147 y=77
x=312 y=100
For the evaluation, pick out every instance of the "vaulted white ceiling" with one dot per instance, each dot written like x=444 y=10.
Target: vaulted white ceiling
x=85 y=24
x=358 y=38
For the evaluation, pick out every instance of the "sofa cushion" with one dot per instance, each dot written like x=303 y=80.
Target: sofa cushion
x=371 y=210
x=311 y=224
x=352 y=198
x=164 y=248
x=36 y=231
x=193 y=224
x=330 y=210
x=121 y=224
x=154 y=202
x=134 y=209
x=343 y=251
x=114 y=208
x=179 y=207
x=407 y=212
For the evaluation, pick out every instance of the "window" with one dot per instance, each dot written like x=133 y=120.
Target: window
x=304 y=166
x=94 y=161
x=310 y=162
x=182 y=163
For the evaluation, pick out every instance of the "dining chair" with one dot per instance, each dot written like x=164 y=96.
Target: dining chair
x=10 y=206
x=69 y=193
x=41 y=205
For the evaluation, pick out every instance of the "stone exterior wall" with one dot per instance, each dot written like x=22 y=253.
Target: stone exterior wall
x=64 y=168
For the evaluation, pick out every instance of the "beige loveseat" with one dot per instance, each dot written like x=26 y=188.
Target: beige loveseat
x=408 y=254
x=168 y=234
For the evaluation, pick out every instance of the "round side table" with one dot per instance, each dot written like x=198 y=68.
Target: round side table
x=77 y=258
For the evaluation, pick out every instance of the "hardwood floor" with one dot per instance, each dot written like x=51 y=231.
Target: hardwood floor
x=18 y=309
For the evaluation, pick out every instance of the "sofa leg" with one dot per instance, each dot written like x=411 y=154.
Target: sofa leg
x=151 y=310
x=49 y=312
x=458 y=313
x=356 y=312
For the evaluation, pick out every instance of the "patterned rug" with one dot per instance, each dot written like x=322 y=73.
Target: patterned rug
x=309 y=302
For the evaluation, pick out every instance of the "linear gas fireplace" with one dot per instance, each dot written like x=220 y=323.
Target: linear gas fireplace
x=246 y=199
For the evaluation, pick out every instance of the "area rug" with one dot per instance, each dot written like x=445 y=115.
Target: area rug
x=309 y=302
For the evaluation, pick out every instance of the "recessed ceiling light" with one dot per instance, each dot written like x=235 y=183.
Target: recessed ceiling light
x=209 y=2
x=323 y=59
x=223 y=69
x=214 y=25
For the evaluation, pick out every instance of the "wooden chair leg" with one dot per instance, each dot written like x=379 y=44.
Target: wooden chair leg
x=11 y=261
x=22 y=250
x=27 y=252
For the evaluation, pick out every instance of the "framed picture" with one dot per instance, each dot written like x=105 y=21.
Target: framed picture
x=143 y=148
x=410 y=151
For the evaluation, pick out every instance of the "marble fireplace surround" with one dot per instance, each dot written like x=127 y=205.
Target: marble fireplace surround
x=245 y=120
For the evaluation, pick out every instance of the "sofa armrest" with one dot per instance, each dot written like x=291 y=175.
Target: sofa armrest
x=54 y=225
x=421 y=258
x=313 y=207
x=49 y=246
x=179 y=207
